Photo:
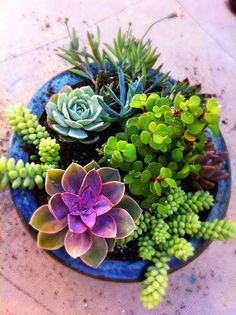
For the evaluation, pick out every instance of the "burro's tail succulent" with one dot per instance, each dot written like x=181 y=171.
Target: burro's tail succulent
x=86 y=213
x=76 y=114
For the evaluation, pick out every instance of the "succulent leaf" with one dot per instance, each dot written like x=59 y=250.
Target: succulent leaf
x=131 y=206
x=125 y=223
x=51 y=241
x=73 y=178
x=53 y=181
x=77 y=245
x=96 y=254
x=43 y=221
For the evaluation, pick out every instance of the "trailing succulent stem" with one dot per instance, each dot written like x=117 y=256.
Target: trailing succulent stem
x=26 y=124
x=28 y=175
x=217 y=230
x=156 y=282
x=20 y=174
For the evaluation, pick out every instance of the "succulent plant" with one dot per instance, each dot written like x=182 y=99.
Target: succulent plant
x=26 y=124
x=49 y=152
x=217 y=230
x=156 y=282
x=76 y=114
x=119 y=152
x=211 y=171
x=87 y=206
x=180 y=247
x=134 y=56
x=20 y=174
x=116 y=107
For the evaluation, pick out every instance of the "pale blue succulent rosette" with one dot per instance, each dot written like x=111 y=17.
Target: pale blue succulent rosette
x=75 y=114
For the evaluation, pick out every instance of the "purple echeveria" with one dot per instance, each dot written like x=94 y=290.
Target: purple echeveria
x=87 y=211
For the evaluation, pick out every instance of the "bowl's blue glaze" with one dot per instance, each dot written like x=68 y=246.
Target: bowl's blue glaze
x=126 y=271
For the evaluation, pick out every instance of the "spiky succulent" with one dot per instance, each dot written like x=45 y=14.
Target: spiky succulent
x=87 y=206
x=133 y=55
x=76 y=114
x=116 y=107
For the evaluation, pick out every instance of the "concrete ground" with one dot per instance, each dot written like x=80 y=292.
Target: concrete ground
x=202 y=46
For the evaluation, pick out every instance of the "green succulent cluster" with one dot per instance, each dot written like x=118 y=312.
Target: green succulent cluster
x=146 y=248
x=26 y=124
x=163 y=233
x=28 y=175
x=216 y=230
x=155 y=283
x=185 y=224
x=168 y=136
x=119 y=152
x=20 y=174
x=160 y=233
x=180 y=248
x=199 y=201
x=49 y=152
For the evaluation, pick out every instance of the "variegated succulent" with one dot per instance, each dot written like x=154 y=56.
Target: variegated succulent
x=86 y=213
x=76 y=114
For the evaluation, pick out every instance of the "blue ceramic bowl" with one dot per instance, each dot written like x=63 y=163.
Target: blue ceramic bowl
x=112 y=270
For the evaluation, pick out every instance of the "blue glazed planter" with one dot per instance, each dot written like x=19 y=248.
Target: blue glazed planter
x=112 y=270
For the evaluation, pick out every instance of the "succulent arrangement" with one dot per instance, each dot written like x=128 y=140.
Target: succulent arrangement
x=158 y=162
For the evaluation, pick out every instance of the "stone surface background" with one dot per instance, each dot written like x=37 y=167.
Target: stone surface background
x=201 y=46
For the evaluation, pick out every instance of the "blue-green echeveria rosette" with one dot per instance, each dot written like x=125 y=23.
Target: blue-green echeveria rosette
x=75 y=114
x=86 y=213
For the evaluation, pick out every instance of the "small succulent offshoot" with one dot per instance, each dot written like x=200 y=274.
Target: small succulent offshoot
x=87 y=207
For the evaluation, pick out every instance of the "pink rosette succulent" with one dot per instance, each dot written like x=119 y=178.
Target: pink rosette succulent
x=86 y=213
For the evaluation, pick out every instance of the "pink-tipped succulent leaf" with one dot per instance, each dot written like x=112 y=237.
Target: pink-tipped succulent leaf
x=87 y=211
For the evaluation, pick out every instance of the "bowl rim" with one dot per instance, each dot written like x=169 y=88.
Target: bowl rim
x=109 y=270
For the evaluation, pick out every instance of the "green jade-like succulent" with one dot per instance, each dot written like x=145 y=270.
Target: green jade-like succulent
x=76 y=114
